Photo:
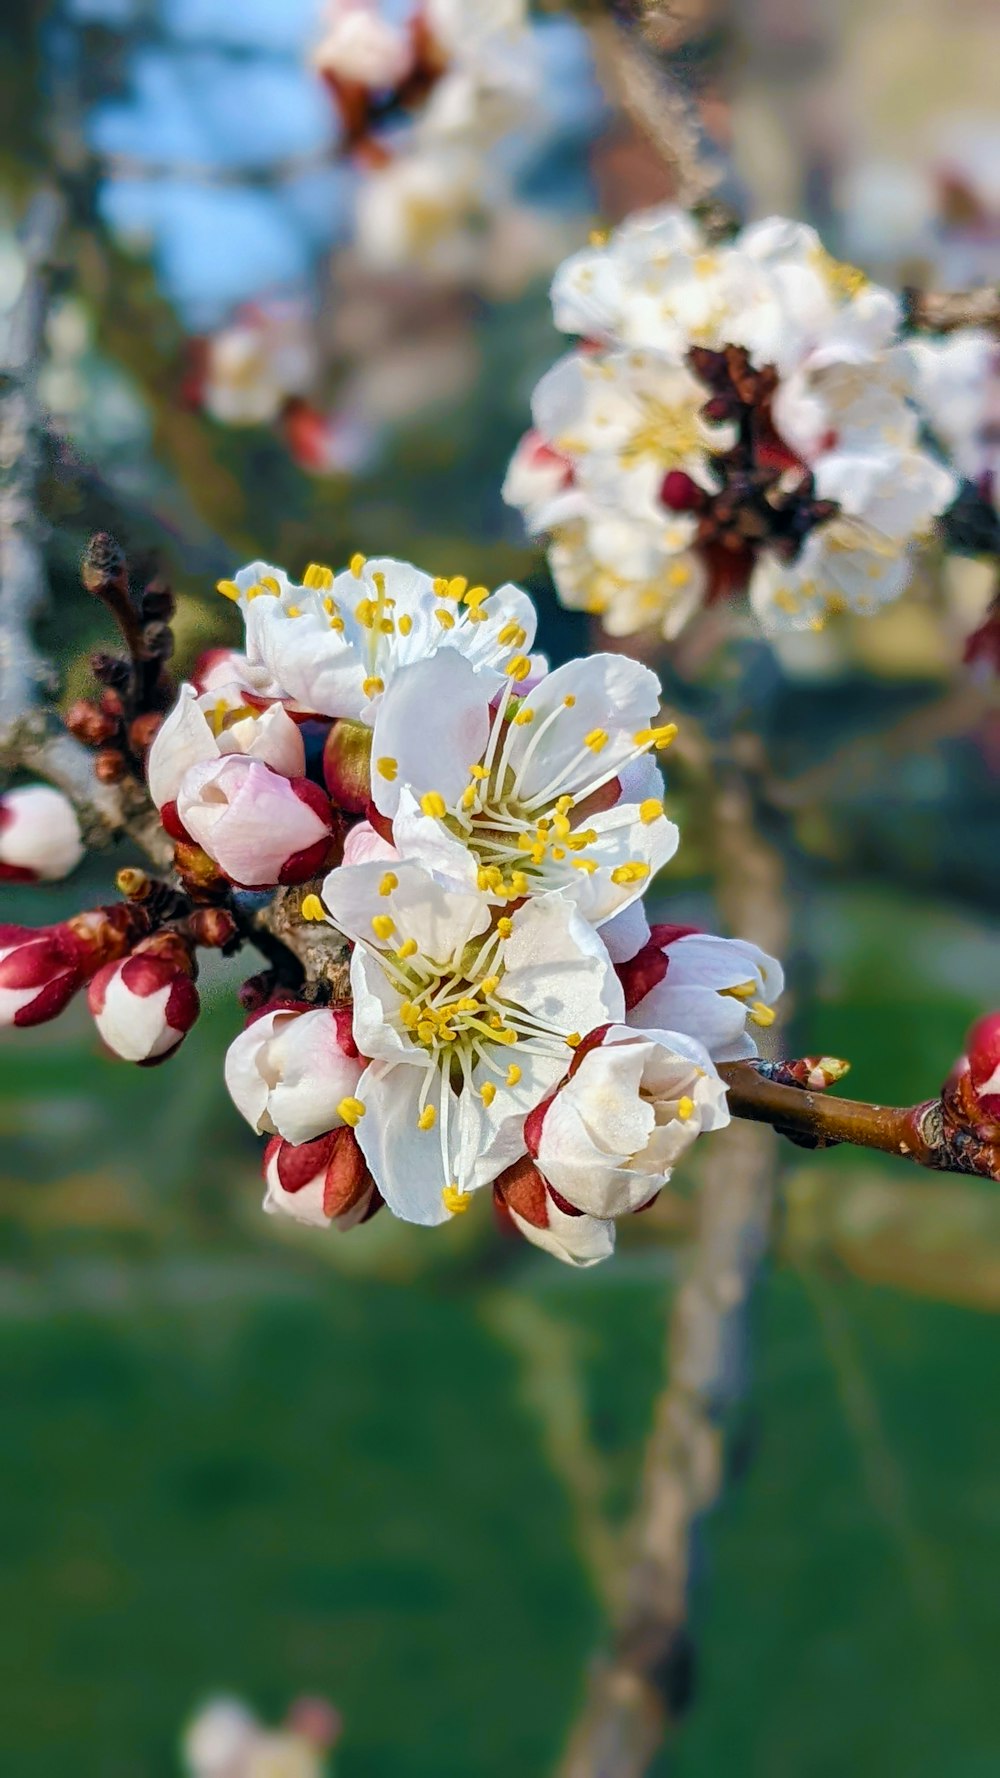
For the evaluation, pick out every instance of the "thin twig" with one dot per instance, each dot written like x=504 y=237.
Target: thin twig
x=642 y=1686
x=942 y=311
x=656 y=104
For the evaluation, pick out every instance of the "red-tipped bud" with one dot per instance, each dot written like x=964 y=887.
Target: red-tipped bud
x=323 y=1183
x=347 y=766
x=90 y=725
x=212 y=927
x=40 y=971
x=144 y=1005
x=982 y=1047
x=260 y=827
x=681 y=493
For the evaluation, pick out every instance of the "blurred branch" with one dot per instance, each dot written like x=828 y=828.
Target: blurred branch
x=656 y=105
x=933 y=1134
x=28 y=739
x=642 y=1686
x=942 y=311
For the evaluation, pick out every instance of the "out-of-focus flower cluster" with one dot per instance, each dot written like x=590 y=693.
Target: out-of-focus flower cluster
x=451 y=845
x=226 y=1740
x=737 y=416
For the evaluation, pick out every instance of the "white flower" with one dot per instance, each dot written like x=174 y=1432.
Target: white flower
x=207 y=727
x=525 y=795
x=615 y=1129
x=217 y=1740
x=254 y=364
x=333 y=644
x=540 y=483
x=958 y=388
x=712 y=988
x=321 y=1183
x=624 y=420
x=289 y=1070
x=468 y=1025
x=259 y=827
x=361 y=46
x=637 y=581
x=40 y=835
x=425 y=211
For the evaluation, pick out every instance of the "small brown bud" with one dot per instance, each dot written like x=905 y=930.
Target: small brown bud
x=110 y=765
x=104 y=564
x=195 y=867
x=157 y=602
x=157 y=641
x=111 y=704
x=89 y=724
x=212 y=927
x=142 y=731
x=110 y=669
x=134 y=884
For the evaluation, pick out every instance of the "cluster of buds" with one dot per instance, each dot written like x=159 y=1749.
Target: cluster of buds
x=121 y=722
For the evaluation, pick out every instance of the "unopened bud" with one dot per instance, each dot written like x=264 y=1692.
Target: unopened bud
x=40 y=837
x=110 y=765
x=325 y=1183
x=212 y=928
x=89 y=724
x=144 y=1005
x=347 y=766
x=143 y=730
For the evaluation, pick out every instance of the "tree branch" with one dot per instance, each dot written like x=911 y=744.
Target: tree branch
x=932 y=1134
x=942 y=311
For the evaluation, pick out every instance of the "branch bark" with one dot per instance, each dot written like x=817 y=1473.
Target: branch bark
x=942 y=311
x=640 y=1688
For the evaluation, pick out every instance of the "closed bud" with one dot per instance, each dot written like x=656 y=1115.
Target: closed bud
x=110 y=765
x=40 y=837
x=42 y=968
x=324 y=1183
x=89 y=724
x=260 y=828
x=212 y=928
x=291 y=1069
x=144 y=1005
x=347 y=756
x=142 y=731
x=549 y=1222
x=982 y=1047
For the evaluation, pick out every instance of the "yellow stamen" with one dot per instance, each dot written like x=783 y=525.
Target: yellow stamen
x=405 y=624
x=373 y=685
x=656 y=737
x=512 y=634
x=518 y=667
x=596 y=740
x=389 y=882
x=293 y=611
x=762 y=1015
x=408 y=948
x=685 y=1108
x=513 y=1075
x=319 y=576
x=433 y=803
x=524 y=716
x=351 y=1111
x=569 y=701
x=312 y=908
x=228 y=589
x=574 y=1040
x=356 y=564
x=388 y=767
x=650 y=810
x=505 y=926
x=487 y=1092
x=383 y=925
x=632 y=872
x=427 y=1118
x=455 y=1201
x=445 y=618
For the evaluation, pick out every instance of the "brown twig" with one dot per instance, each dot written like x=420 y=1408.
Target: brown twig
x=656 y=105
x=942 y=311
x=639 y=1689
x=931 y=1134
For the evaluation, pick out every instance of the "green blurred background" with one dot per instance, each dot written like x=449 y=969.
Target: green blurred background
x=392 y=1468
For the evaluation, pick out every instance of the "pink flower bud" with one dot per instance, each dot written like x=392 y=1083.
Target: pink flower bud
x=549 y=1222
x=145 y=1004
x=290 y=1069
x=39 y=835
x=982 y=1047
x=260 y=828
x=363 y=48
x=322 y=1182
x=41 y=968
x=40 y=971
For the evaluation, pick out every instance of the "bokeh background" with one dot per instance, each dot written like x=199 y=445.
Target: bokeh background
x=392 y=1468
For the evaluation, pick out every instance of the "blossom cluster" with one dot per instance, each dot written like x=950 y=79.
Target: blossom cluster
x=225 y=1739
x=390 y=762
x=737 y=416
